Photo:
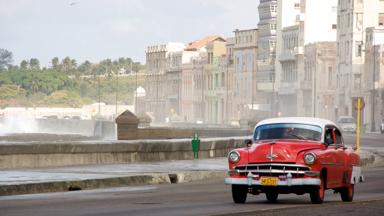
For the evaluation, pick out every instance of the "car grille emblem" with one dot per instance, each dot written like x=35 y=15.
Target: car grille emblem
x=271 y=156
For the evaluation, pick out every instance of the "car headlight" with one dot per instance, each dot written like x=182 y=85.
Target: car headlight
x=234 y=156
x=309 y=158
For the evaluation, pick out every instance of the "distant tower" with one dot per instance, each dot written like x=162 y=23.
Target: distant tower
x=267 y=49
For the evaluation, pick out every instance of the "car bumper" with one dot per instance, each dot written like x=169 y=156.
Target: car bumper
x=287 y=182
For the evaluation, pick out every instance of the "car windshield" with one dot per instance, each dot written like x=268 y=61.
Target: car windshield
x=287 y=131
x=347 y=120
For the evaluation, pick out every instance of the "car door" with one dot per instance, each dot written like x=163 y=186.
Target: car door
x=333 y=160
x=341 y=156
x=329 y=159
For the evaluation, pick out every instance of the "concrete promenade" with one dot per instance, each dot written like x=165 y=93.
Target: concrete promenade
x=40 y=180
x=24 y=181
x=52 y=154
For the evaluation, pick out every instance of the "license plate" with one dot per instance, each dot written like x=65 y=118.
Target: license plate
x=268 y=181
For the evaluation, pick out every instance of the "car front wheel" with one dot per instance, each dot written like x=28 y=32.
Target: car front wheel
x=239 y=193
x=347 y=193
x=317 y=195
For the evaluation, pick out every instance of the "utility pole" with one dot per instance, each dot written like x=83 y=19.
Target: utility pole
x=373 y=126
x=117 y=90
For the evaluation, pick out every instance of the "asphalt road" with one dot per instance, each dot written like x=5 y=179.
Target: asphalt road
x=198 y=198
x=211 y=197
x=367 y=140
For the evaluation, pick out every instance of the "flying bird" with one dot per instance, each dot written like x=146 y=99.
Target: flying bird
x=73 y=4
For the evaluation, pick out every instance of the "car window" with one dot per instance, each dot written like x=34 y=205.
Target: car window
x=328 y=139
x=288 y=131
x=339 y=139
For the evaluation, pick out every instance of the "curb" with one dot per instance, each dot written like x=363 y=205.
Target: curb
x=121 y=181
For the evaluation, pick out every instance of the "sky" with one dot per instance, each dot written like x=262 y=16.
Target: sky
x=99 y=29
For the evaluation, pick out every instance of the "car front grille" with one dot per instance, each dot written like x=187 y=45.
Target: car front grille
x=272 y=169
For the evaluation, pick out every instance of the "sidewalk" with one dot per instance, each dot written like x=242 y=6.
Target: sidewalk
x=25 y=181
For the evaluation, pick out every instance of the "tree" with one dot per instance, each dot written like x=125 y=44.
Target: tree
x=68 y=65
x=55 y=64
x=85 y=68
x=24 y=64
x=5 y=58
x=34 y=63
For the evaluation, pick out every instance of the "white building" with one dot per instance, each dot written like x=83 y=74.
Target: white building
x=265 y=76
x=300 y=23
x=374 y=76
x=163 y=71
x=353 y=17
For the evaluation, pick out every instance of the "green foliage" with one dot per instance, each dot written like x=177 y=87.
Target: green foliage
x=68 y=84
x=5 y=59
x=64 y=98
x=11 y=92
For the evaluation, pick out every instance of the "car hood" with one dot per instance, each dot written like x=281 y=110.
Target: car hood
x=279 y=151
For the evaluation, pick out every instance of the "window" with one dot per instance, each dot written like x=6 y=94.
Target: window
x=287 y=131
x=334 y=26
x=339 y=140
x=358 y=48
x=381 y=19
x=329 y=76
x=297 y=5
x=273 y=8
x=328 y=139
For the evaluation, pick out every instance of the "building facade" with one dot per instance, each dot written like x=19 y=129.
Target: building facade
x=247 y=102
x=293 y=89
x=161 y=100
x=353 y=17
x=266 y=56
x=374 y=76
x=320 y=78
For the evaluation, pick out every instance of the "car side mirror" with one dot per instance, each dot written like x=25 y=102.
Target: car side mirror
x=248 y=142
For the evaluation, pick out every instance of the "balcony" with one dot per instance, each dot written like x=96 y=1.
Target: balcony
x=290 y=55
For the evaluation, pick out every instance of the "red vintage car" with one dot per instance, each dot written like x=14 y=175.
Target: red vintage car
x=294 y=155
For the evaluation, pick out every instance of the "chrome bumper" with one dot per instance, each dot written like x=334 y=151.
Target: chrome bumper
x=288 y=182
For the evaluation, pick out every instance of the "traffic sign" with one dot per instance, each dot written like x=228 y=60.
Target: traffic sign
x=356 y=104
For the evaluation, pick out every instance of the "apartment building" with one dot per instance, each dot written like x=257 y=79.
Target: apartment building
x=320 y=79
x=353 y=18
x=214 y=95
x=374 y=76
x=266 y=55
x=200 y=78
x=247 y=102
x=161 y=85
x=293 y=91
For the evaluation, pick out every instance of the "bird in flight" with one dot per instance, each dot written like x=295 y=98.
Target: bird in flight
x=72 y=4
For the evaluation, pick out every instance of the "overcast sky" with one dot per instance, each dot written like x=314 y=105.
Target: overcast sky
x=99 y=29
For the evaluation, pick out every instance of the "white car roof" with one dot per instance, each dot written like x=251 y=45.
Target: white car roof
x=299 y=120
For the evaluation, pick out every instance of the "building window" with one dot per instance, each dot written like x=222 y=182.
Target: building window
x=297 y=5
x=329 y=76
x=334 y=26
x=273 y=8
x=381 y=19
x=358 y=48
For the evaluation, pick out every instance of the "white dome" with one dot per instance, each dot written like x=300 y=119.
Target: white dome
x=140 y=92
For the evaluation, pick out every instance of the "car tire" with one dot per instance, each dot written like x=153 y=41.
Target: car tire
x=239 y=193
x=271 y=196
x=317 y=195
x=347 y=193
